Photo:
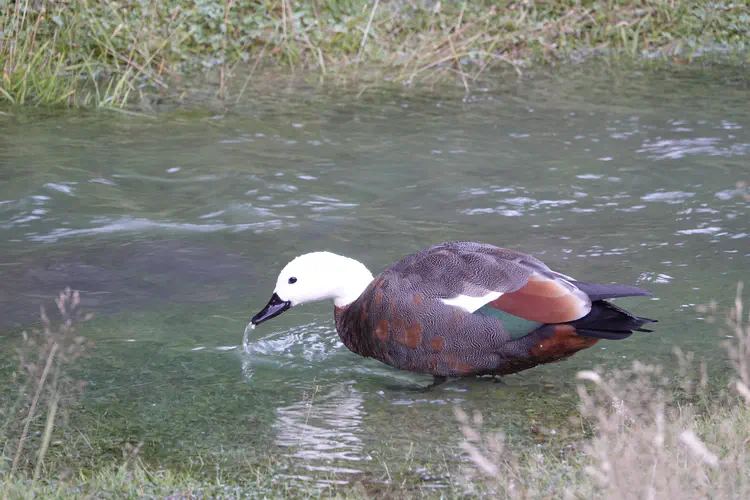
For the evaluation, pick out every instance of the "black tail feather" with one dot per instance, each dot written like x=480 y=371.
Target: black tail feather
x=607 y=321
x=603 y=334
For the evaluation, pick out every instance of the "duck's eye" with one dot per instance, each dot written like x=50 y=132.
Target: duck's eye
x=292 y=280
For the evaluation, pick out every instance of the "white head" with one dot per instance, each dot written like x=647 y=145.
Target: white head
x=316 y=276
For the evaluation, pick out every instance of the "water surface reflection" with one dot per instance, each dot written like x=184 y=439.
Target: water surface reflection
x=321 y=431
x=174 y=230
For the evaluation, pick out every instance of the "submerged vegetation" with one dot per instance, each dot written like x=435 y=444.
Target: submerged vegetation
x=106 y=52
x=640 y=433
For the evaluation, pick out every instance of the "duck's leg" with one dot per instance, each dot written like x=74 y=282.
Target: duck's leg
x=436 y=381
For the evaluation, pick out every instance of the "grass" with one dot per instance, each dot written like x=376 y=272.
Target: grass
x=41 y=64
x=42 y=388
x=647 y=439
x=641 y=433
x=105 y=53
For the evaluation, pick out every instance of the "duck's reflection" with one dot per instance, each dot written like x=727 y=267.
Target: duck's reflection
x=322 y=430
x=323 y=425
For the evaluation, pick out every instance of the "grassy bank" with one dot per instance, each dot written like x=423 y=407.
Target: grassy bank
x=640 y=433
x=106 y=53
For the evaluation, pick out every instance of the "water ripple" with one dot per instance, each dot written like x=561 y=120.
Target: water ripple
x=143 y=224
x=668 y=196
x=62 y=188
x=679 y=148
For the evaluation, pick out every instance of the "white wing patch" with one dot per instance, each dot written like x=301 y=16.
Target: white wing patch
x=471 y=304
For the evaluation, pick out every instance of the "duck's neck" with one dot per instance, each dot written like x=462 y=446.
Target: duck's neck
x=354 y=278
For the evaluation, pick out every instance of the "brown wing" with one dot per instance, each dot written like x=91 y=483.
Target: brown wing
x=545 y=300
x=530 y=290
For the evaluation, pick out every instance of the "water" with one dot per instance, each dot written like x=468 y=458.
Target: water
x=175 y=226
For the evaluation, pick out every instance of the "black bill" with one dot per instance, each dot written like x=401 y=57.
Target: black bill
x=274 y=307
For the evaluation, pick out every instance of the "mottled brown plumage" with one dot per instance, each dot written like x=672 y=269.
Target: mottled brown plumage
x=401 y=320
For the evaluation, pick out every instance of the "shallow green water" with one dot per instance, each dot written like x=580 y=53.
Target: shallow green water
x=174 y=228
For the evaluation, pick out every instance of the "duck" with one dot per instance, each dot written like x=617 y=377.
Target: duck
x=457 y=309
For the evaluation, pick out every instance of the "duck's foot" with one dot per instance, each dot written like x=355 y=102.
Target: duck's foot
x=436 y=381
x=495 y=379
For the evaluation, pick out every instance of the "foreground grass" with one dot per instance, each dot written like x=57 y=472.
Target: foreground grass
x=645 y=435
x=648 y=439
x=105 y=52
x=679 y=457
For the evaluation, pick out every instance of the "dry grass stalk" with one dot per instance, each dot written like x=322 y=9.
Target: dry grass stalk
x=647 y=444
x=739 y=345
x=225 y=28
x=43 y=360
x=367 y=31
